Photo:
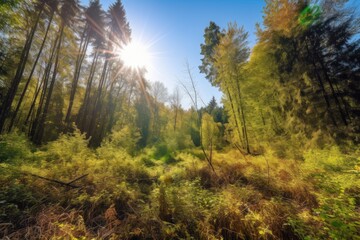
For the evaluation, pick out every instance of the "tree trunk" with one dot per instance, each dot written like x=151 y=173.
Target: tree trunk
x=91 y=131
x=6 y=105
x=40 y=129
x=79 y=61
x=33 y=102
x=83 y=112
x=31 y=74
x=328 y=105
x=233 y=110
x=34 y=124
x=333 y=92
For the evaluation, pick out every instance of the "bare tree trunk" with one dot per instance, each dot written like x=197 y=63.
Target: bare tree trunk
x=194 y=101
x=81 y=119
x=97 y=105
x=175 y=117
x=33 y=102
x=81 y=55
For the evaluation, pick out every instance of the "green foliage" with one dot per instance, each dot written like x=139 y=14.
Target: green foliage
x=309 y=15
x=293 y=106
x=195 y=135
x=212 y=37
x=127 y=138
x=67 y=147
x=185 y=205
x=184 y=199
x=178 y=140
x=14 y=147
x=143 y=120
x=6 y=12
x=338 y=213
x=17 y=200
x=160 y=150
x=329 y=159
x=210 y=132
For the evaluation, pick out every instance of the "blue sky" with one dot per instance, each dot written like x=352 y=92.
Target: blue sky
x=174 y=30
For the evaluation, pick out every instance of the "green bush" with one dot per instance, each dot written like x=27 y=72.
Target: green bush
x=17 y=198
x=14 y=147
x=126 y=138
x=160 y=150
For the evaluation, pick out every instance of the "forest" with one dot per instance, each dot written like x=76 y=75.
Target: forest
x=92 y=149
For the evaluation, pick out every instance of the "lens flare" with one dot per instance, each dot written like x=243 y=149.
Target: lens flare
x=309 y=15
x=135 y=55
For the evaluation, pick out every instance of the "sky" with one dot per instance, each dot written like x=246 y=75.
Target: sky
x=173 y=31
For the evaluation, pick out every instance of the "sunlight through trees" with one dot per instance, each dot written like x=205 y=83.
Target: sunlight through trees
x=90 y=148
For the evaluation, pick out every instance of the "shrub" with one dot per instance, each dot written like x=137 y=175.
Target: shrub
x=126 y=138
x=14 y=147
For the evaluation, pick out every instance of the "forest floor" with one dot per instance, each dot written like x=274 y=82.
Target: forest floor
x=162 y=195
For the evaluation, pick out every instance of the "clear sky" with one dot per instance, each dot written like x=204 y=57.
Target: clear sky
x=174 y=30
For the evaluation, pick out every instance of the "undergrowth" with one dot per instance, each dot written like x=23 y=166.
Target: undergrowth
x=164 y=194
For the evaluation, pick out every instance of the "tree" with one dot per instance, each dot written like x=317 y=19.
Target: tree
x=9 y=98
x=212 y=37
x=68 y=11
x=310 y=57
x=94 y=25
x=119 y=34
x=143 y=118
x=159 y=93
x=175 y=102
x=211 y=106
x=210 y=134
x=230 y=56
x=96 y=21
x=53 y=5
x=196 y=129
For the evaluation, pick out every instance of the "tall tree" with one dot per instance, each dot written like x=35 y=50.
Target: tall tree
x=9 y=98
x=310 y=58
x=159 y=93
x=230 y=55
x=119 y=34
x=212 y=37
x=52 y=5
x=94 y=28
x=69 y=9
x=96 y=18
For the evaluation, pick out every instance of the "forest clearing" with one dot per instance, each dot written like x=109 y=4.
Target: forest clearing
x=92 y=148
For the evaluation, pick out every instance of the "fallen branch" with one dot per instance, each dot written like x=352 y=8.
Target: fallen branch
x=67 y=184
x=54 y=180
x=77 y=179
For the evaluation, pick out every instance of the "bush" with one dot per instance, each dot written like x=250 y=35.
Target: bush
x=126 y=138
x=14 y=147
x=185 y=206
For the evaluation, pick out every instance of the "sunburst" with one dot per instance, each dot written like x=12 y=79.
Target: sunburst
x=135 y=55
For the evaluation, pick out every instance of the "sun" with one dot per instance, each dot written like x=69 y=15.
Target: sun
x=135 y=55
